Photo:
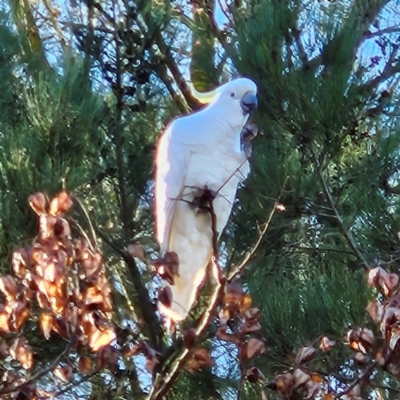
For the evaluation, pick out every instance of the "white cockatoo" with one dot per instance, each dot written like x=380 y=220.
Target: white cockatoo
x=198 y=152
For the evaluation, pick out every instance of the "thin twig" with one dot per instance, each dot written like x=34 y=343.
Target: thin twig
x=74 y=384
x=38 y=374
x=89 y=221
x=345 y=232
x=146 y=309
x=251 y=254
x=166 y=379
x=365 y=374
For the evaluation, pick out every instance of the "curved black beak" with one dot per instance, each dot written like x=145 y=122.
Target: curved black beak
x=249 y=102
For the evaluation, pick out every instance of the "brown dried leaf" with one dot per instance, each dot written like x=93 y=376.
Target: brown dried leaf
x=375 y=310
x=283 y=384
x=254 y=375
x=252 y=314
x=250 y=349
x=389 y=283
x=312 y=388
x=189 y=337
x=152 y=356
x=136 y=250
x=317 y=378
x=394 y=336
x=60 y=204
x=367 y=336
x=246 y=302
x=229 y=337
x=4 y=350
x=300 y=378
x=4 y=324
x=10 y=377
x=43 y=395
x=46 y=323
x=250 y=327
x=59 y=326
x=62 y=228
x=131 y=349
x=22 y=352
x=305 y=354
x=63 y=372
x=165 y=296
x=151 y=363
x=361 y=358
x=326 y=344
x=100 y=338
x=168 y=267
x=91 y=264
x=374 y=276
x=107 y=357
x=20 y=313
x=93 y=295
x=233 y=295
x=201 y=359
x=383 y=281
x=355 y=393
x=8 y=286
x=20 y=261
x=38 y=203
x=361 y=339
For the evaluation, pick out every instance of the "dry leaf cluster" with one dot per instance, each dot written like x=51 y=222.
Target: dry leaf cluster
x=385 y=312
x=373 y=348
x=300 y=382
x=61 y=283
x=239 y=324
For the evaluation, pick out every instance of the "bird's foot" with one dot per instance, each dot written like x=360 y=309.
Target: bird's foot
x=204 y=198
x=249 y=132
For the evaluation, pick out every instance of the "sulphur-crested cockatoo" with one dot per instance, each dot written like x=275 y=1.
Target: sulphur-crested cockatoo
x=200 y=151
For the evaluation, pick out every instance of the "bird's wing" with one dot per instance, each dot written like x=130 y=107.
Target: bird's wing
x=171 y=166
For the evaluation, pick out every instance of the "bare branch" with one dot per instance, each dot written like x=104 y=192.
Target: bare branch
x=345 y=232
x=167 y=377
x=249 y=256
x=74 y=384
x=364 y=375
x=38 y=374
x=89 y=221
x=147 y=309
x=386 y=31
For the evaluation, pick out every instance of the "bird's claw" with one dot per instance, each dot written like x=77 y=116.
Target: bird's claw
x=249 y=132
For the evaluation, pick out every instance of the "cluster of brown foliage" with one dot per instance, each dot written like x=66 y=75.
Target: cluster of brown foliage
x=377 y=348
x=238 y=324
x=301 y=382
x=61 y=283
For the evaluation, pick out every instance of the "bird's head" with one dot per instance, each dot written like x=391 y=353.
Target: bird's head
x=240 y=94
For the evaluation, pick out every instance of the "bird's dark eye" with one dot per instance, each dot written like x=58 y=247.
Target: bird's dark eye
x=232 y=94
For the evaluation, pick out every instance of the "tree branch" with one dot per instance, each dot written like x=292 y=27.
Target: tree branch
x=249 y=256
x=147 y=310
x=365 y=374
x=38 y=374
x=168 y=376
x=346 y=234
x=75 y=384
